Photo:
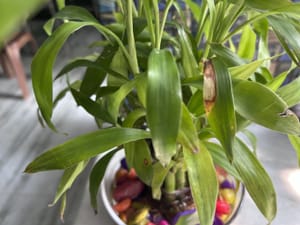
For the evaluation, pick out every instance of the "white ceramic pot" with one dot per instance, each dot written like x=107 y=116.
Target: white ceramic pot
x=108 y=181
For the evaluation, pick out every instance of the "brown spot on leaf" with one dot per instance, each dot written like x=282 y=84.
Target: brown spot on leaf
x=209 y=86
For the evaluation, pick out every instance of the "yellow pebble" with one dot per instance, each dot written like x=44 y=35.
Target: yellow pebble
x=228 y=195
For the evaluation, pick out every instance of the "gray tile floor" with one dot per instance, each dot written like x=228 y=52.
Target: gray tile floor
x=24 y=198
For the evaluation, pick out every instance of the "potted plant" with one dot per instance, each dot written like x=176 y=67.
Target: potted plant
x=174 y=93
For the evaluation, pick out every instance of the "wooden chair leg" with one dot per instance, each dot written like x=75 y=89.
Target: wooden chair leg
x=6 y=65
x=13 y=53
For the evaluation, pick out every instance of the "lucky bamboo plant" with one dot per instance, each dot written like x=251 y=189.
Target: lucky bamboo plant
x=173 y=84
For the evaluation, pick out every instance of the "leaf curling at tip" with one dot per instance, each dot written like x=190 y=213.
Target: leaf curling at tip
x=209 y=86
x=286 y=113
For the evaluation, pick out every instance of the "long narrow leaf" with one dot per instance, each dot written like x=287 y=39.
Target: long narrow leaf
x=113 y=101
x=220 y=108
x=93 y=77
x=42 y=69
x=84 y=147
x=228 y=57
x=68 y=179
x=246 y=70
x=290 y=93
x=270 y=111
x=189 y=64
x=94 y=108
x=188 y=135
x=203 y=182
x=219 y=157
x=75 y=13
x=295 y=141
x=138 y=156
x=13 y=15
x=255 y=179
x=247 y=43
x=159 y=174
x=96 y=176
x=266 y=4
x=163 y=103
x=288 y=35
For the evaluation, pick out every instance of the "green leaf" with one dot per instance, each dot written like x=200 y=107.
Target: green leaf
x=203 y=182
x=159 y=174
x=246 y=70
x=295 y=141
x=266 y=4
x=228 y=57
x=94 y=76
x=84 y=147
x=75 y=13
x=189 y=64
x=290 y=9
x=188 y=135
x=247 y=43
x=138 y=156
x=60 y=4
x=96 y=176
x=63 y=206
x=252 y=139
x=195 y=104
x=120 y=65
x=220 y=112
x=277 y=81
x=290 y=93
x=68 y=179
x=92 y=107
x=219 y=157
x=270 y=111
x=287 y=34
x=42 y=69
x=134 y=116
x=195 y=8
x=113 y=101
x=255 y=179
x=163 y=103
x=83 y=62
x=14 y=14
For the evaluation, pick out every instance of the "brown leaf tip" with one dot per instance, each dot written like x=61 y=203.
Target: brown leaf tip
x=209 y=85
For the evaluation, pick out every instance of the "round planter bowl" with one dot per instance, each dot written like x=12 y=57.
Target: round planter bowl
x=108 y=180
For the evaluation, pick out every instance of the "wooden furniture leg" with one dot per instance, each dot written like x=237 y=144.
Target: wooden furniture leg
x=6 y=65
x=13 y=53
x=12 y=62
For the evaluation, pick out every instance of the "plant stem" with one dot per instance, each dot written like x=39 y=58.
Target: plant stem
x=131 y=39
x=170 y=182
x=180 y=178
x=201 y=22
x=120 y=5
x=157 y=23
x=163 y=22
x=149 y=19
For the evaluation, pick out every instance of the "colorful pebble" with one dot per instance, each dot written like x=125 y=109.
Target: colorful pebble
x=123 y=205
x=140 y=215
x=132 y=211
x=163 y=222
x=222 y=207
x=128 y=189
x=228 y=195
x=227 y=184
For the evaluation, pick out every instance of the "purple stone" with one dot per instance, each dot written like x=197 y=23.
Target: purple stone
x=227 y=184
x=218 y=221
x=124 y=164
x=180 y=214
